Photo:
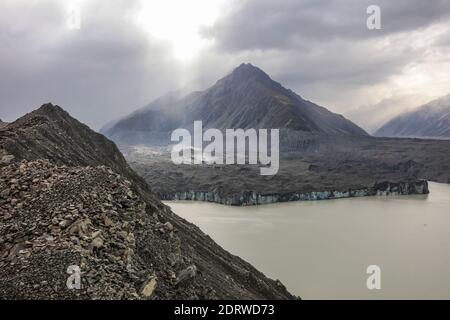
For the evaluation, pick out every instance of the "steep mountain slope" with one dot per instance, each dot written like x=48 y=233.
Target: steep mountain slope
x=84 y=206
x=431 y=120
x=246 y=98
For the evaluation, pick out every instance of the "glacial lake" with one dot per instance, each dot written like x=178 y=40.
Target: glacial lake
x=321 y=249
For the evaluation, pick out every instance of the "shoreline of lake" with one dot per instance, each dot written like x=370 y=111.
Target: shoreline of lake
x=321 y=249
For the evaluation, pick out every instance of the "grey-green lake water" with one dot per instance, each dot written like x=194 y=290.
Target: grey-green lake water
x=321 y=249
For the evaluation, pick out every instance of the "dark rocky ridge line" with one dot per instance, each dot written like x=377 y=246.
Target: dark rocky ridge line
x=69 y=197
x=252 y=198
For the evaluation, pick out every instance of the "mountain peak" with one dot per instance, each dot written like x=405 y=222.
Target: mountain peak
x=245 y=98
x=53 y=111
x=246 y=70
x=47 y=112
x=246 y=67
x=247 y=74
x=50 y=108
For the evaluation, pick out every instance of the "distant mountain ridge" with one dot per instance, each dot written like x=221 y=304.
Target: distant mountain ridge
x=246 y=98
x=431 y=120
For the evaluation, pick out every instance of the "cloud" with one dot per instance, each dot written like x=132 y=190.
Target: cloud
x=104 y=70
x=266 y=24
x=323 y=49
x=372 y=117
x=320 y=49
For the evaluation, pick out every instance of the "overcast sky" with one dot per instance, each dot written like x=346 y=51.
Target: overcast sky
x=128 y=52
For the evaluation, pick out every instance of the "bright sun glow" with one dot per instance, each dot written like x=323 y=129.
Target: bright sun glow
x=179 y=22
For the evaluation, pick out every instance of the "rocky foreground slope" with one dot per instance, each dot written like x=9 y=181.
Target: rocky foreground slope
x=68 y=198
